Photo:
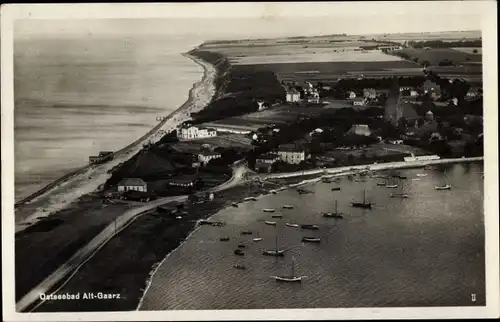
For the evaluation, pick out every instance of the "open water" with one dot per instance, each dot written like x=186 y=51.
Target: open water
x=427 y=250
x=76 y=97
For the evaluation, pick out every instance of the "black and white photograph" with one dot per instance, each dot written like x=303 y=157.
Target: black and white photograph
x=242 y=161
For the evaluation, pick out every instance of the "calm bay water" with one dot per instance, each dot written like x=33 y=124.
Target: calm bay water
x=76 y=97
x=427 y=250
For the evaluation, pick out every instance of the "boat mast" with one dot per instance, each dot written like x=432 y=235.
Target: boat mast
x=293 y=266
x=364 y=196
x=336 y=204
x=276 y=242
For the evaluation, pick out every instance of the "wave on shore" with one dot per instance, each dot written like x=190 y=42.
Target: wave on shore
x=70 y=190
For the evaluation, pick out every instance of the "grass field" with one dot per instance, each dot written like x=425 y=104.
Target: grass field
x=436 y=55
x=224 y=141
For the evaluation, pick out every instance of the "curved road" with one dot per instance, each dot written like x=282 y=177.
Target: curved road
x=120 y=223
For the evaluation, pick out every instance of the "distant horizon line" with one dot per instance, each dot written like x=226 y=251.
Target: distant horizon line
x=104 y=35
x=346 y=35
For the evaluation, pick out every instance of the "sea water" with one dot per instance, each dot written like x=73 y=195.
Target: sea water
x=76 y=97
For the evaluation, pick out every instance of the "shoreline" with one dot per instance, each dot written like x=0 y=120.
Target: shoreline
x=129 y=216
x=209 y=75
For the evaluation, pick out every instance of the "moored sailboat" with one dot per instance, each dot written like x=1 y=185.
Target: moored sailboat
x=365 y=204
x=335 y=214
x=274 y=252
x=289 y=278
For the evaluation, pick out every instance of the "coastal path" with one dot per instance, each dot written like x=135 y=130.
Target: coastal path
x=371 y=167
x=85 y=253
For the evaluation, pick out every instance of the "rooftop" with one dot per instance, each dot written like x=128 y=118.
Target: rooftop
x=290 y=148
x=132 y=182
x=268 y=156
x=209 y=153
x=184 y=179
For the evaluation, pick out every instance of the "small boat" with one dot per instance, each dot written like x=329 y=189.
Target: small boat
x=250 y=199
x=268 y=210
x=257 y=239
x=224 y=238
x=237 y=266
x=277 y=216
x=402 y=177
x=443 y=186
x=326 y=180
x=335 y=214
x=364 y=204
x=246 y=232
x=401 y=194
x=273 y=192
x=421 y=174
x=335 y=189
x=416 y=179
x=239 y=252
x=398 y=195
x=393 y=185
x=272 y=223
x=311 y=227
x=234 y=204
x=290 y=278
x=292 y=225
x=381 y=183
x=287 y=207
x=311 y=239
x=274 y=252
x=242 y=246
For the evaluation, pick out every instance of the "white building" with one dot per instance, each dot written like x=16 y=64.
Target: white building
x=421 y=158
x=291 y=154
x=359 y=101
x=205 y=157
x=360 y=129
x=194 y=132
x=292 y=95
x=136 y=184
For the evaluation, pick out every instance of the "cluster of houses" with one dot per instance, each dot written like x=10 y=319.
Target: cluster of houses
x=369 y=95
x=308 y=93
x=434 y=91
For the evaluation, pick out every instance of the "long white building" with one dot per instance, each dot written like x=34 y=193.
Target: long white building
x=194 y=132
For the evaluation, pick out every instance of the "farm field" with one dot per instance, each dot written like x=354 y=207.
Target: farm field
x=224 y=141
x=276 y=115
x=468 y=50
x=332 y=71
x=436 y=55
x=426 y=36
